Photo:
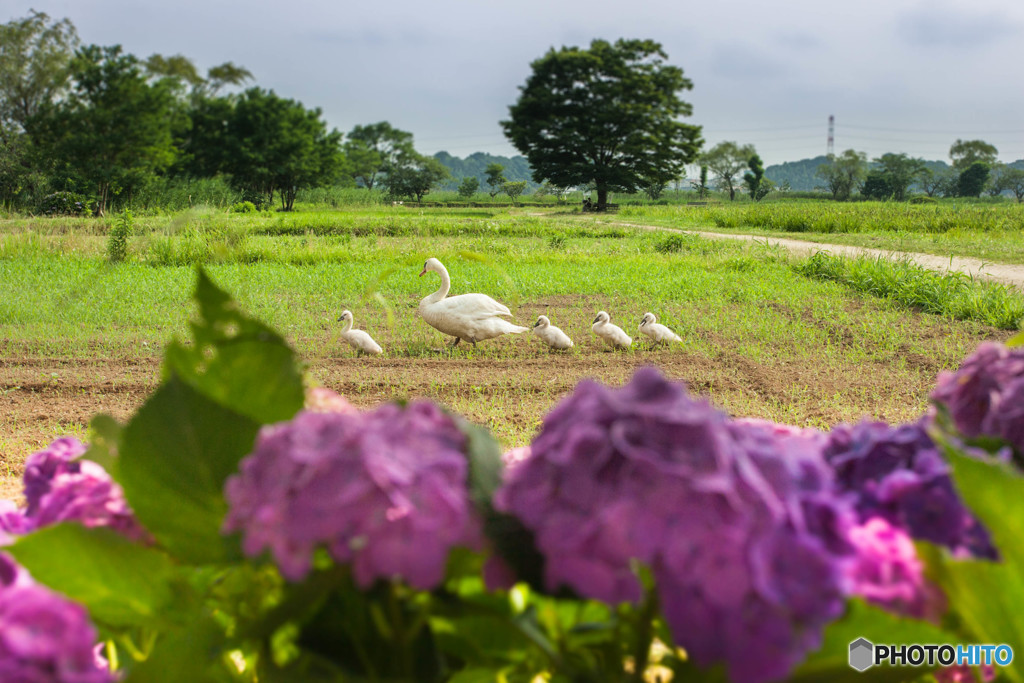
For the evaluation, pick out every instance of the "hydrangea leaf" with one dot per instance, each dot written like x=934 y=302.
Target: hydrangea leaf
x=194 y=652
x=175 y=455
x=121 y=583
x=106 y=433
x=831 y=661
x=1015 y=341
x=236 y=360
x=985 y=598
x=994 y=492
x=484 y=457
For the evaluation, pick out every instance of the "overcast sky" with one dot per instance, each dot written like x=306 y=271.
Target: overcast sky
x=898 y=75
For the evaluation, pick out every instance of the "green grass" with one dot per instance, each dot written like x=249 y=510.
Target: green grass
x=981 y=230
x=955 y=295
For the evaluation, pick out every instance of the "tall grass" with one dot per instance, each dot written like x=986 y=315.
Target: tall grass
x=951 y=294
x=834 y=217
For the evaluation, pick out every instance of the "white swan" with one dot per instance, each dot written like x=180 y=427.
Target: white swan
x=473 y=317
x=551 y=335
x=357 y=339
x=655 y=331
x=612 y=334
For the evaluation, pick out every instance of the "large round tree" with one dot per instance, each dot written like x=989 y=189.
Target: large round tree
x=608 y=116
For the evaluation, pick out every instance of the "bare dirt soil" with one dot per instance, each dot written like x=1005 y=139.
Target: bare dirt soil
x=508 y=388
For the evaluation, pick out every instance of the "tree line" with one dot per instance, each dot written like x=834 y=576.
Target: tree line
x=85 y=127
x=89 y=126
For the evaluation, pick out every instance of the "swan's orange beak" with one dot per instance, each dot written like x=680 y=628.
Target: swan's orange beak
x=423 y=272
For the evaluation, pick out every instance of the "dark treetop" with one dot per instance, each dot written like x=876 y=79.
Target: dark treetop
x=607 y=116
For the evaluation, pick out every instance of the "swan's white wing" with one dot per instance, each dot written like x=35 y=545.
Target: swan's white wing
x=475 y=306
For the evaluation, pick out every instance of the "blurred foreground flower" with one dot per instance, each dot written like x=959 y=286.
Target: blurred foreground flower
x=898 y=474
x=740 y=526
x=59 y=487
x=985 y=396
x=384 y=490
x=887 y=571
x=44 y=638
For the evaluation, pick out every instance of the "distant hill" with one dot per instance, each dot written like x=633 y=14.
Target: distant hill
x=516 y=168
x=800 y=174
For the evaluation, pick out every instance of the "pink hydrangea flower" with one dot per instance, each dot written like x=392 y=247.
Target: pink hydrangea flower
x=384 y=490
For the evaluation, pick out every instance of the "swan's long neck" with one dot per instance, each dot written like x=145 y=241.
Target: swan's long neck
x=442 y=291
x=347 y=326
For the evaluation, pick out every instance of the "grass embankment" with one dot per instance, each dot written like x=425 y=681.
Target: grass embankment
x=986 y=231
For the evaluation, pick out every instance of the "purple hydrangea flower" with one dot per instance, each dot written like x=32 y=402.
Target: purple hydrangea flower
x=44 y=637
x=60 y=457
x=887 y=571
x=740 y=526
x=384 y=490
x=89 y=497
x=984 y=397
x=898 y=474
x=61 y=488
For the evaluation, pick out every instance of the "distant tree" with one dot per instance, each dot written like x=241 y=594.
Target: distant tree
x=276 y=145
x=939 y=183
x=608 y=115
x=876 y=186
x=495 y=178
x=997 y=180
x=514 y=188
x=1014 y=180
x=375 y=148
x=415 y=177
x=542 y=190
x=726 y=160
x=752 y=178
x=469 y=186
x=900 y=172
x=966 y=152
x=843 y=173
x=702 y=184
x=183 y=71
x=972 y=179
x=113 y=131
x=35 y=55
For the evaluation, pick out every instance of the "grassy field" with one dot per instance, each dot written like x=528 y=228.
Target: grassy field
x=987 y=231
x=82 y=335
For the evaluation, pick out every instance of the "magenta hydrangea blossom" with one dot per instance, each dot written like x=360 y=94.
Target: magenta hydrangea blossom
x=385 y=491
x=898 y=473
x=44 y=637
x=985 y=396
x=886 y=571
x=42 y=467
x=59 y=487
x=741 y=526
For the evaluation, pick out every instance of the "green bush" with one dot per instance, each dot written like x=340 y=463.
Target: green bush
x=244 y=207
x=924 y=200
x=62 y=204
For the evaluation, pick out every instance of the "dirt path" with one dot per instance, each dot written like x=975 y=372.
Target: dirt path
x=999 y=272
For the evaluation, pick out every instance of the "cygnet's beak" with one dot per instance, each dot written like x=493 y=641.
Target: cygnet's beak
x=536 y=323
x=340 y=318
x=643 y=321
x=597 y=319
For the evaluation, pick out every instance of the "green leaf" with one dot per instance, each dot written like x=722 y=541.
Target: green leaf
x=236 y=360
x=484 y=456
x=1015 y=340
x=121 y=582
x=175 y=455
x=105 y=435
x=476 y=675
x=985 y=599
x=832 y=661
x=191 y=653
x=994 y=492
